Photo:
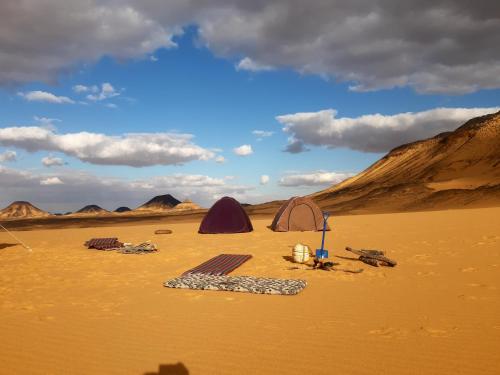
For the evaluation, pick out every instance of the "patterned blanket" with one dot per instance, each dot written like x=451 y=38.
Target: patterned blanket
x=248 y=284
x=143 y=248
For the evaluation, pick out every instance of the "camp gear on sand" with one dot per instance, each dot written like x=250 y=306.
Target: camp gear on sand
x=325 y=266
x=373 y=257
x=112 y=243
x=300 y=253
x=322 y=264
x=17 y=239
x=298 y=214
x=226 y=216
x=145 y=247
x=108 y=243
x=247 y=284
x=163 y=231
x=220 y=265
x=323 y=253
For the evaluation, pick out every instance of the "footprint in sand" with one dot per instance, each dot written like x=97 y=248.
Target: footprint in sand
x=468 y=269
x=28 y=307
x=427 y=273
x=469 y=298
x=434 y=332
x=45 y=318
x=476 y=285
x=389 y=332
x=421 y=259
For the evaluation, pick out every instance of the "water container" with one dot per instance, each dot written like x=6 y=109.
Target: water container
x=300 y=253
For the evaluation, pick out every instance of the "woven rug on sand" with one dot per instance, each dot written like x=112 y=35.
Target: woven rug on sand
x=103 y=243
x=220 y=265
x=247 y=284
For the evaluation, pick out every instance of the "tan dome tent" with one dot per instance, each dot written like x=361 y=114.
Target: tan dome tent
x=298 y=214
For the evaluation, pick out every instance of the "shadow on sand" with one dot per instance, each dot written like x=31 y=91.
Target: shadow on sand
x=5 y=245
x=347 y=258
x=168 y=369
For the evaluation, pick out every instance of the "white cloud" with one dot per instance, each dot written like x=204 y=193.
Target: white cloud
x=318 y=178
x=153 y=58
x=135 y=149
x=251 y=65
x=243 y=150
x=111 y=105
x=371 y=45
x=260 y=134
x=372 y=133
x=107 y=91
x=264 y=179
x=220 y=159
x=51 y=161
x=374 y=45
x=8 y=156
x=44 y=96
x=184 y=180
x=72 y=189
x=63 y=35
x=82 y=89
x=51 y=181
x=45 y=120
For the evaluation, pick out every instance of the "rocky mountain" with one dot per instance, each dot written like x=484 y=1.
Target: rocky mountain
x=92 y=209
x=187 y=205
x=122 y=209
x=451 y=170
x=159 y=203
x=21 y=210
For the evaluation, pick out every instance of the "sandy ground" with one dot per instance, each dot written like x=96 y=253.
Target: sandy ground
x=68 y=310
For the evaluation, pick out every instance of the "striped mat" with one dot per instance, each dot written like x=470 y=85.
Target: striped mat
x=103 y=243
x=220 y=265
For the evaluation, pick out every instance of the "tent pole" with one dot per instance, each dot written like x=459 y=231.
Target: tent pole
x=17 y=239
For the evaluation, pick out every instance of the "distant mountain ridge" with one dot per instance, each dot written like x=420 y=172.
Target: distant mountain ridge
x=122 y=209
x=159 y=203
x=187 y=205
x=91 y=209
x=21 y=210
x=451 y=170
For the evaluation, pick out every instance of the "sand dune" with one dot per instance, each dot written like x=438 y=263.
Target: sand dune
x=68 y=310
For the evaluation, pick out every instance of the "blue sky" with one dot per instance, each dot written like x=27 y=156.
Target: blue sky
x=195 y=89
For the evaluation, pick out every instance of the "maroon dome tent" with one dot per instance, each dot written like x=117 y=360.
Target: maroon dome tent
x=226 y=216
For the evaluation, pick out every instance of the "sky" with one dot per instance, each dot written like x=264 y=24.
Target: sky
x=112 y=103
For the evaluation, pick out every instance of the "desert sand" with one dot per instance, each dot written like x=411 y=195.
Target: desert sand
x=65 y=309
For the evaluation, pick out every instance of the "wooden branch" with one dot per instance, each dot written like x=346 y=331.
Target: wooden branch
x=370 y=261
x=373 y=257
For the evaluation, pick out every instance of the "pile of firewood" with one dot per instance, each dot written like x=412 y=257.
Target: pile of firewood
x=373 y=257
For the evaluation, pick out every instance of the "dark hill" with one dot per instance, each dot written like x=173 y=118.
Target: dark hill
x=160 y=203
